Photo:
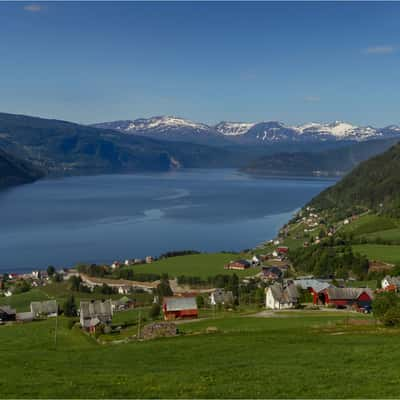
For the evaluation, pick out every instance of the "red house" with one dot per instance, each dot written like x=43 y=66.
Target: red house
x=282 y=250
x=177 y=307
x=347 y=297
x=238 y=265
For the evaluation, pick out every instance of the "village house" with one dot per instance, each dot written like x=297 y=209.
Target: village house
x=7 y=314
x=221 y=296
x=115 y=265
x=390 y=283
x=48 y=308
x=95 y=312
x=149 y=259
x=272 y=273
x=179 y=307
x=238 y=265
x=280 y=297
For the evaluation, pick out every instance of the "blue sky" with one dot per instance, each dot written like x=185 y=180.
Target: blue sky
x=240 y=61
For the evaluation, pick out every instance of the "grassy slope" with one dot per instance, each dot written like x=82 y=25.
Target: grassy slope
x=378 y=252
x=250 y=358
x=202 y=265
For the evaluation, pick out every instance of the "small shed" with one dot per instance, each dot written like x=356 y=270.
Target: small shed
x=177 y=307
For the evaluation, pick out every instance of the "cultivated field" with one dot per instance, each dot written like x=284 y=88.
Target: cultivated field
x=293 y=355
x=201 y=265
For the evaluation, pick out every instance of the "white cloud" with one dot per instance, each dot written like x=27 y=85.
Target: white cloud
x=384 y=49
x=312 y=99
x=33 y=7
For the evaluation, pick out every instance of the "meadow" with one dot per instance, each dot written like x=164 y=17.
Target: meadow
x=201 y=265
x=385 y=253
x=290 y=356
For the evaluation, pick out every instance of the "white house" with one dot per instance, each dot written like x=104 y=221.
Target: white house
x=279 y=297
x=390 y=281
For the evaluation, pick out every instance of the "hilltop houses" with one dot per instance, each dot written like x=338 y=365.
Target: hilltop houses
x=239 y=265
x=179 y=307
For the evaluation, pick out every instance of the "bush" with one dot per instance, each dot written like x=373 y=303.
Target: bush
x=392 y=316
x=155 y=311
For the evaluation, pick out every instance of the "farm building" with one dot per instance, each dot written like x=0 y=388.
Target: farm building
x=7 y=313
x=280 y=297
x=176 y=307
x=390 y=283
x=25 y=316
x=221 y=296
x=48 y=308
x=282 y=249
x=95 y=312
x=314 y=286
x=238 y=265
x=345 y=297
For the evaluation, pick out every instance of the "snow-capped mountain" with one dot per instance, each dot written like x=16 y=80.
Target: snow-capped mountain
x=180 y=129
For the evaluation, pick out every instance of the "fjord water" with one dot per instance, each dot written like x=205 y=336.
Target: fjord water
x=98 y=219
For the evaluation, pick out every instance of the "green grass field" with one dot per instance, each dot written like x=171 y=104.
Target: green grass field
x=201 y=265
x=291 y=356
x=370 y=224
x=60 y=292
x=385 y=253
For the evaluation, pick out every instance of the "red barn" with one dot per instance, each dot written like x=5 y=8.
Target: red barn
x=177 y=307
x=347 y=297
x=282 y=249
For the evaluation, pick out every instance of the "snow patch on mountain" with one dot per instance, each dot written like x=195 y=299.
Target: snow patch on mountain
x=233 y=128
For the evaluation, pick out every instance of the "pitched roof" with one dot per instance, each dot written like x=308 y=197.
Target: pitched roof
x=393 y=280
x=95 y=309
x=44 y=307
x=314 y=284
x=347 y=293
x=288 y=294
x=177 y=303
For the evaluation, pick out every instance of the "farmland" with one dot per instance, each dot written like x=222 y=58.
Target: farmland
x=201 y=265
x=386 y=253
x=290 y=356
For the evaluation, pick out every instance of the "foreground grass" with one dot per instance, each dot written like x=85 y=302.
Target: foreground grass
x=284 y=357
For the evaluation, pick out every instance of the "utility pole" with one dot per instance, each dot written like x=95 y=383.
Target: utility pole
x=140 y=318
x=55 y=332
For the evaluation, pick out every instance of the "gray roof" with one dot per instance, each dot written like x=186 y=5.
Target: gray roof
x=347 y=293
x=25 y=316
x=222 y=296
x=180 y=303
x=8 y=310
x=44 y=307
x=96 y=309
x=314 y=284
x=288 y=294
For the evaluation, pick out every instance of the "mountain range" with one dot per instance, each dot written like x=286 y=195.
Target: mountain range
x=179 y=129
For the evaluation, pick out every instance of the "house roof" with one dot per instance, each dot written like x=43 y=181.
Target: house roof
x=96 y=309
x=288 y=294
x=44 y=307
x=315 y=284
x=8 y=310
x=25 y=316
x=393 y=280
x=346 y=293
x=177 y=303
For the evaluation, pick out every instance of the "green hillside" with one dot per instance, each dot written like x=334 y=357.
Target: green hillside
x=374 y=184
x=65 y=147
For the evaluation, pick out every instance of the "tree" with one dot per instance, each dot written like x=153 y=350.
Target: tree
x=75 y=283
x=200 y=301
x=384 y=302
x=70 y=309
x=51 y=270
x=163 y=288
x=155 y=311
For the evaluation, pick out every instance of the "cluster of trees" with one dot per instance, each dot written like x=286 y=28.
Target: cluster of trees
x=98 y=271
x=386 y=308
x=219 y=280
x=129 y=274
x=178 y=253
x=326 y=261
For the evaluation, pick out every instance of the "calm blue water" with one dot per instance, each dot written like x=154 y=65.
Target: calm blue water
x=107 y=217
